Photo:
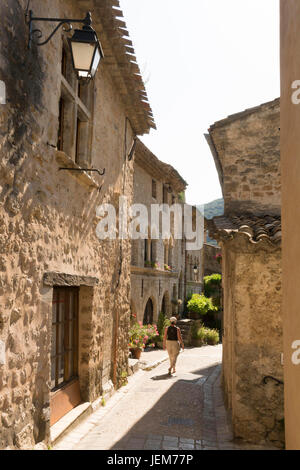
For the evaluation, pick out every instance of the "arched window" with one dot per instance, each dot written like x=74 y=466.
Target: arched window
x=165 y=306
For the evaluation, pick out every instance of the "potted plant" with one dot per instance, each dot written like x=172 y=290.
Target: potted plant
x=199 y=305
x=140 y=337
x=155 y=265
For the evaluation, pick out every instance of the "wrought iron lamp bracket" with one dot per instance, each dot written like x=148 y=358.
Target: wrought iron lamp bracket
x=65 y=23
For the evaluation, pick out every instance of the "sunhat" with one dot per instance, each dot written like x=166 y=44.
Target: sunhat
x=173 y=319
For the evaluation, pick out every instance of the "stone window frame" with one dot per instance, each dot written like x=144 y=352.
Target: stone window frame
x=76 y=110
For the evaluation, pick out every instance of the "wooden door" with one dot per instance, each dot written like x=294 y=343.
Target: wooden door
x=65 y=392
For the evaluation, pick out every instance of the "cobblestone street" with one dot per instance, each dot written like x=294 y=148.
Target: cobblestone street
x=155 y=411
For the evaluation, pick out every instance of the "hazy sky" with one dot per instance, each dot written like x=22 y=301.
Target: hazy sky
x=202 y=60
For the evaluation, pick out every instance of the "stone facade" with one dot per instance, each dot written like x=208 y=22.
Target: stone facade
x=48 y=216
x=245 y=147
x=246 y=152
x=151 y=180
x=211 y=265
x=151 y=283
x=253 y=339
x=194 y=280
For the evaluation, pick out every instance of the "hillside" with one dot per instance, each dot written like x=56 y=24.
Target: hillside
x=214 y=208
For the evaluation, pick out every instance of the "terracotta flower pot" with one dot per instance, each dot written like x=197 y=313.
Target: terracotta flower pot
x=136 y=352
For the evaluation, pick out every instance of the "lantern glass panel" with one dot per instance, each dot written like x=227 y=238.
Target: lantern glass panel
x=96 y=61
x=82 y=55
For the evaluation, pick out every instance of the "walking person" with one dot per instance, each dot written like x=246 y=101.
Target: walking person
x=172 y=342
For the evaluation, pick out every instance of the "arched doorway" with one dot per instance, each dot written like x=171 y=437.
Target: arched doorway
x=165 y=306
x=148 y=314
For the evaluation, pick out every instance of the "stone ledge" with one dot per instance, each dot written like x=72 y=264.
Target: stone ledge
x=82 y=176
x=153 y=272
x=69 y=421
x=70 y=280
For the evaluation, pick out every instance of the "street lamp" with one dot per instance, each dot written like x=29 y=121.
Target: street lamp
x=85 y=46
x=195 y=270
x=86 y=52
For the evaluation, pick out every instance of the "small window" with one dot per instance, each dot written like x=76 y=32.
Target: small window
x=154 y=193
x=165 y=195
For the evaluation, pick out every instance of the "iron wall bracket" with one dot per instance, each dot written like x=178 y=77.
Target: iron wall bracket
x=269 y=377
x=65 y=23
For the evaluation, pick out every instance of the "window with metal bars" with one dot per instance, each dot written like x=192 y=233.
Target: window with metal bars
x=64 y=341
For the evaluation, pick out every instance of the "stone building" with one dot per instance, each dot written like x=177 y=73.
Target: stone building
x=157 y=264
x=163 y=270
x=290 y=169
x=64 y=294
x=245 y=147
x=194 y=259
x=210 y=263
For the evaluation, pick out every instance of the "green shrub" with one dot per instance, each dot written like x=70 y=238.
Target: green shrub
x=200 y=304
x=212 y=337
x=166 y=324
x=206 y=335
x=181 y=196
x=212 y=285
x=162 y=323
x=200 y=333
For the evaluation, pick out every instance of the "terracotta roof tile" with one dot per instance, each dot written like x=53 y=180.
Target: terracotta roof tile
x=256 y=228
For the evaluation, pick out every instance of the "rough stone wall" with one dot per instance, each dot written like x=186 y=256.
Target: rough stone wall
x=48 y=223
x=249 y=153
x=211 y=265
x=253 y=342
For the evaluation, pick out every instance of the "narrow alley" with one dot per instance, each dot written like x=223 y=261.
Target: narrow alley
x=155 y=411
